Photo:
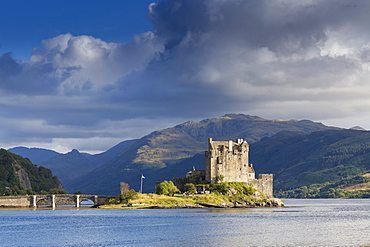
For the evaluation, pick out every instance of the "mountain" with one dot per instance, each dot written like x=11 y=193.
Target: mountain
x=104 y=157
x=72 y=165
x=18 y=173
x=36 y=155
x=179 y=169
x=301 y=154
x=300 y=159
x=154 y=154
x=69 y=166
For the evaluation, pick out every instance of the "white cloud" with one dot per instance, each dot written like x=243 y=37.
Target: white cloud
x=86 y=63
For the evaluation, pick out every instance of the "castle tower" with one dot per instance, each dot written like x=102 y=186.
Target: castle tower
x=228 y=160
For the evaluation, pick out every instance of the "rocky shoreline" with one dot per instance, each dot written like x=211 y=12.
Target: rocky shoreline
x=266 y=203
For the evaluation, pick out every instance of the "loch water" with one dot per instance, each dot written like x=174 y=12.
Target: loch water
x=303 y=222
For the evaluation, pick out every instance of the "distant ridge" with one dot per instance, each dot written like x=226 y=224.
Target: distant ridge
x=36 y=155
x=357 y=128
x=70 y=166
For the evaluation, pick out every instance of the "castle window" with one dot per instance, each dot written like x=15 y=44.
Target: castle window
x=219 y=160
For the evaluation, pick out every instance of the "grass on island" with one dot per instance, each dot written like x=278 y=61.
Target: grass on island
x=226 y=193
x=149 y=200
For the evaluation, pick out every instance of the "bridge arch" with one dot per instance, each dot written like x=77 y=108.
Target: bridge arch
x=66 y=199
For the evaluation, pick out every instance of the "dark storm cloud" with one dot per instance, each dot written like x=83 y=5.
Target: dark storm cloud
x=234 y=55
x=18 y=77
x=279 y=59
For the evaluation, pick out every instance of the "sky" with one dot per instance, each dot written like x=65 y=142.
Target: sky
x=87 y=75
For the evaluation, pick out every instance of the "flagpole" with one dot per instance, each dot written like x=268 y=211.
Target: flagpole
x=141 y=184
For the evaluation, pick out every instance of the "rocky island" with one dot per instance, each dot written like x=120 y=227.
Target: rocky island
x=228 y=182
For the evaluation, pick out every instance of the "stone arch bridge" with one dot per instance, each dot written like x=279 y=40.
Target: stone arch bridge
x=52 y=200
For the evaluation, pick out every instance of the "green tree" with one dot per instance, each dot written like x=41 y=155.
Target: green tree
x=189 y=187
x=57 y=191
x=125 y=196
x=166 y=188
x=221 y=188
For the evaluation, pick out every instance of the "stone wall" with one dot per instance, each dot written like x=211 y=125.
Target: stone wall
x=180 y=182
x=264 y=183
x=15 y=201
x=196 y=174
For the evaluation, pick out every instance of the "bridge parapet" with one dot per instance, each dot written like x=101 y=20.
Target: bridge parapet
x=52 y=200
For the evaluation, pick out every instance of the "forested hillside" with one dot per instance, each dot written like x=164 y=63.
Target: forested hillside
x=19 y=176
x=321 y=161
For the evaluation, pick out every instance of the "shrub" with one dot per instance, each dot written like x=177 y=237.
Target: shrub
x=125 y=196
x=57 y=191
x=189 y=187
x=166 y=188
x=221 y=188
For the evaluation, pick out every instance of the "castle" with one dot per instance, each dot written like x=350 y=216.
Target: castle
x=228 y=161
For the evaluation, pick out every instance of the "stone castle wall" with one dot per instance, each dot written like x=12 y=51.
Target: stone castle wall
x=180 y=182
x=264 y=183
x=228 y=159
x=190 y=176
